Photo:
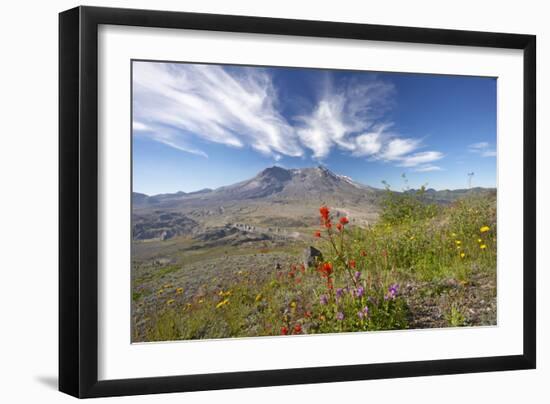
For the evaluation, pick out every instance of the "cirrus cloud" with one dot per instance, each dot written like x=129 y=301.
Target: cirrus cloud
x=185 y=106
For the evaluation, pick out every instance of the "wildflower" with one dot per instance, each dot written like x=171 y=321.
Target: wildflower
x=411 y=238
x=323 y=299
x=179 y=291
x=339 y=316
x=324 y=211
x=462 y=255
x=258 y=297
x=339 y=226
x=284 y=330
x=363 y=312
x=307 y=314
x=317 y=234
x=483 y=246
x=363 y=253
x=297 y=328
x=169 y=302
x=344 y=220
x=458 y=242
x=351 y=263
x=339 y=292
x=392 y=292
x=484 y=229
x=359 y=292
x=326 y=269
x=357 y=275
x=222 y=303
x=479 y=240
x=453 y=234
x=293 y=305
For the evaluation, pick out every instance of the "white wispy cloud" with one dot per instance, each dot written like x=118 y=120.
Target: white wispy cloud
x=186 y=105
x=427 y=168
x=484 y=149
x=415 y=159
x=207 y=102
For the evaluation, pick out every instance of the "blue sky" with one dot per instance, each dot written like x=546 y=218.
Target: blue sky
x=203 y=126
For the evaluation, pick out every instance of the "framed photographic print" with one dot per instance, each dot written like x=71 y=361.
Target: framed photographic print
x=251 y=201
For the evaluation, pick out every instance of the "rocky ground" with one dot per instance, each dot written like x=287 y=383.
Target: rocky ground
x=431 y=302
x=156 y=283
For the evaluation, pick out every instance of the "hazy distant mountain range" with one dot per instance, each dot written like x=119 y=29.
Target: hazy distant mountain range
x=277 y=184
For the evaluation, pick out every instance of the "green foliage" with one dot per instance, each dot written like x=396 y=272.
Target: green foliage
x=406 y=207
x=455 y=317
x=361 y=283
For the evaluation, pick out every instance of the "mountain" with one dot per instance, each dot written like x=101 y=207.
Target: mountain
x=274 y=184
x=277 y=203
x=450 y=195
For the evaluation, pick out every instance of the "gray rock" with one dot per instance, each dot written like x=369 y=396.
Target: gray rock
x=312 y=256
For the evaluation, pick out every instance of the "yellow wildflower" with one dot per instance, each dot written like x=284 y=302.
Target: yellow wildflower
x=179 y=291
x=258 y=297
x=222 y=303
x=453 y=234
x=293 y=305
x=484 y=229
x=479 y=240
x=169 y=302
x=458 y=242
x=483 y=246
x=462 y=255
x=201 y=301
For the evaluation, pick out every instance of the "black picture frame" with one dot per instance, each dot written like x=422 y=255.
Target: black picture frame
x=78 y=201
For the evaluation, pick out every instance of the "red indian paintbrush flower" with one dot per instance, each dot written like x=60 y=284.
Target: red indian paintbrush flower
x=351 y=263
x=317 y=234
x=339 y=226
x=297 y=328
x=326 y=269
x=344 y=220
x=324 y=211
x=284 y=331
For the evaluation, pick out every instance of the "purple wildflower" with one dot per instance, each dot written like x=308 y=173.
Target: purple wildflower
x=339 y=292
x=357 y=275
x=393 y=289
x=392 y=292
x=359 y=292
x=340 y=316
x=323 y=299
x=363 y=312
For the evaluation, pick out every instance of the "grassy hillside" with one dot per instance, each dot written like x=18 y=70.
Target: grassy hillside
x=421 y=265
